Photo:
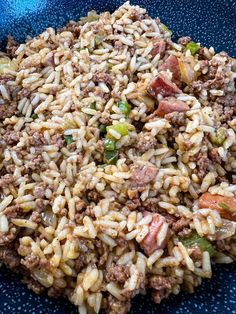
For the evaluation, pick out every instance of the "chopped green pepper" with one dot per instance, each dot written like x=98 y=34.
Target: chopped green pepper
x=109 y=144
x=34 y=116
x=68 y=139
x=92 y=16
x=219 y=137
x=92 y=106
x=202 y=243
x=224 y=206
x=98 y=40
x=124 y=107
x=166 y=29
x=110 y=157
x=102 y=129
x=120 y=128
x=193 y=47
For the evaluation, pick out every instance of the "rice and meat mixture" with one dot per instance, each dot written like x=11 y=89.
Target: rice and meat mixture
x=118 y=169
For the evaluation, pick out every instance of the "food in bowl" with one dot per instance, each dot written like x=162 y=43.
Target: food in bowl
x=117 y=160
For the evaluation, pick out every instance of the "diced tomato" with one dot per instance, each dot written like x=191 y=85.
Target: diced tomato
x=226 y=206
x=163 y=85
x=149 y=243
x=170 y=104
x=171 y=64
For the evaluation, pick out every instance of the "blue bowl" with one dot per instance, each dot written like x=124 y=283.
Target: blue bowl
x=212 y=23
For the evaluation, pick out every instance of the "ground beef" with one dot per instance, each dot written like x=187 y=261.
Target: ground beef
x=176 y=118
x=54 y=292
x=39 y=190
x=11 y=46
x=225 y=113
x=161 y=287
x=142 y=175
x=151 y=204
x=102 y=77
x=40 y=205
x=36 y=139
x=196 y=253
x=105 y=118
x=93 y=196
x=7 y=110
x=214 y=155
x=184 y=40
x=9 y=257
x=72 y=27
x=25 y=92
x=145 y=141
x=36 y=217
x=6 y=238
x=115 y=306
x=222 y=245
x=80 y=263
x=33 y=285
x=135 y=16
x=36 y=164
x=180 y=224
x=6 y=180
x=117 y=273
x=133 y=204
x=12 y=211
x=11 y=137
x=31 y=261
x=202 y=162
x=58 y=140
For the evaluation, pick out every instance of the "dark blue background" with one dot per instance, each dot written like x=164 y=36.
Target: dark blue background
x=213 y=23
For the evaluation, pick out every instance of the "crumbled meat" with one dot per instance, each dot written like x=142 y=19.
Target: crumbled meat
x=39 y=190
x=7 y=110
x=214 y=155
x=169 y=105
x=196 y=253
x=72 y=27
x=31 y=261
x=105 y=118
x=161 y=287
x=159 y=46
x=150 y=204
x=9 y=257
x=102 y=77
x=142 y=175
x=225 y=113
x=133 y=204
x=25 y=92
x=184 y=40
x=176 y=118
x=117 y=273
x=145 y=141
x=36 y=164
x=162 y=85
x=11 y=46
x=116 y=306
x=12 y=211
x=80 y=263
x=54 y=292
x=6 y=180
x=33 y=285
x=11 y=137
x=8 y=237
x=36 y=217
x=37 y=139
x=40 y=205
x=135 y=16
x=180 y=224
x=223 y=245
x=93 y=196
x=203 y=163
x=57 y=140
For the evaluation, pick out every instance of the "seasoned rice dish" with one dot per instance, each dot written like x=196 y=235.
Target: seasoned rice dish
x=118 y=168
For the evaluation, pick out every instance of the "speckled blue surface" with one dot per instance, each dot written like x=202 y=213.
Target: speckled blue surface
x=213 y=23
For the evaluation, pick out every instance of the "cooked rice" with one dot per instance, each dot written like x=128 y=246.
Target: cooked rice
x=101 y=232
